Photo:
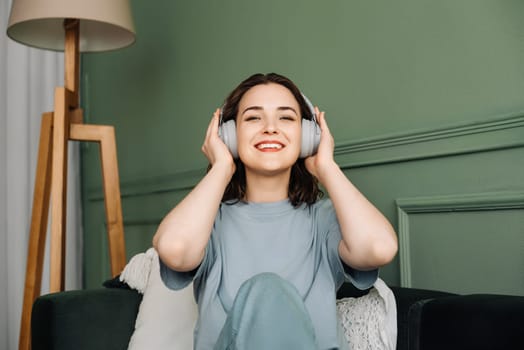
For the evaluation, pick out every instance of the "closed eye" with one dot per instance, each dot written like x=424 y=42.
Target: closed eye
x=288 y=118
x=251 y=118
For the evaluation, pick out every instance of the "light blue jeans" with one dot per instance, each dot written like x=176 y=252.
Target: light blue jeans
x=267 y=314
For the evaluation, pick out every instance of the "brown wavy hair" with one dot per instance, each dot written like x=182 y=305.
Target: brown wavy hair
x=303 y=186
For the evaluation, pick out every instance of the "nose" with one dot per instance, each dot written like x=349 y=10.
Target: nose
x=270 y=126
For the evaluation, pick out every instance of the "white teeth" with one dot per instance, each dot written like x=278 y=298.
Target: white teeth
x=269 y=145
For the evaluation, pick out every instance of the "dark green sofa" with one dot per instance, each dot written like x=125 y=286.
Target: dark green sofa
x=427 y=320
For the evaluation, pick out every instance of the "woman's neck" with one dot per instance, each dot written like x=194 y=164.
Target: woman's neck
x=263 y=189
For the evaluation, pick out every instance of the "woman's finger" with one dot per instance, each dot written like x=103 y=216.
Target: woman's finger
x=213 y=124
x=323 y=123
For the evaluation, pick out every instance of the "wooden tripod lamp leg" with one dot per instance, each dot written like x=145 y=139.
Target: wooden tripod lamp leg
x=105 y=135
x=59 y=189
x=113 y=205
x=66 y=99
x=37 y=233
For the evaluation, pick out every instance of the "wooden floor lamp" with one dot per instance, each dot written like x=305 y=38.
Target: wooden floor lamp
x=71 y=26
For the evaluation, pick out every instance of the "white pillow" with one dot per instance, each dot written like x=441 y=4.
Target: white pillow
x=166 y=318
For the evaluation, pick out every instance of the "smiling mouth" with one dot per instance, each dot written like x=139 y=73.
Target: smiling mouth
x=269 y=146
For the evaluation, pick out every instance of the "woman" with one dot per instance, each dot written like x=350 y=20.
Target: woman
x=265 y=254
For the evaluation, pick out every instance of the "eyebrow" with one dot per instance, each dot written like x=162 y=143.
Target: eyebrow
x=259 y=108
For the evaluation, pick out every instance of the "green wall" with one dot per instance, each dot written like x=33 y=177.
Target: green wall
x=424 y=98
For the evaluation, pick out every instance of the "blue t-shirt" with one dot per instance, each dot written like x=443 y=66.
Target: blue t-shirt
x=299 y=244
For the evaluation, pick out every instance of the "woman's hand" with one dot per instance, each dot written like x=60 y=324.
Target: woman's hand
x=320 y=163
x=214 y=148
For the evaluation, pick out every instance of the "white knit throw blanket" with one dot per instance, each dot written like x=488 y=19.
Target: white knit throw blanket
x=370 y=322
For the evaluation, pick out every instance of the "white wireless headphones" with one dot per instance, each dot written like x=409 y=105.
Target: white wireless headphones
x=310 y=133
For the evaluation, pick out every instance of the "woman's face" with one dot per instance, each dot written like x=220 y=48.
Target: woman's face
x=268 y=129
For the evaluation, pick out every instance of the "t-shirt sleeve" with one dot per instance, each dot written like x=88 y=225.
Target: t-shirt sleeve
x=341 y=271
x=178 y=280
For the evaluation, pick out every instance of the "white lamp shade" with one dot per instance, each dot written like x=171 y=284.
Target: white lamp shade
x=104 y=24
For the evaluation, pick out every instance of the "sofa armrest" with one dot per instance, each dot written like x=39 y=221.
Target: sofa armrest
x=405 y=298
x=477 y=321
x=85 y=319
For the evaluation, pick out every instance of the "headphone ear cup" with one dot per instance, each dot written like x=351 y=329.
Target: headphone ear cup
x=228 y=133
x=310 y=138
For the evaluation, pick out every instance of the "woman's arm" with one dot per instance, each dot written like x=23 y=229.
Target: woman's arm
x=368 y=239
x=183 y=234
